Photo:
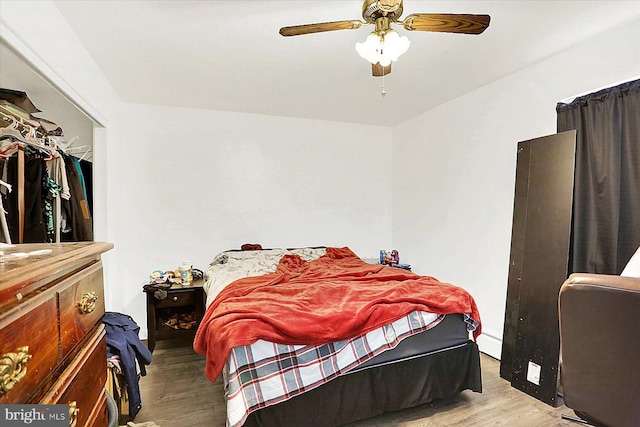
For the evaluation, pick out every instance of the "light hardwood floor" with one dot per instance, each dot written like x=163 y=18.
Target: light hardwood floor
x=176 y=393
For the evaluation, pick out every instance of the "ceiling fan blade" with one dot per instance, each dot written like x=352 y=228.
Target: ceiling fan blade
x=447 y=23
x=378 y=70
x=297 y=30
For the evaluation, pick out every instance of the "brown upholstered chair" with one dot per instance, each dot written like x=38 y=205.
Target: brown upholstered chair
x=600 y=348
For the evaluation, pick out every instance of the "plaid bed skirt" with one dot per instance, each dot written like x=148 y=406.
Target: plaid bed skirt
x=265 y=373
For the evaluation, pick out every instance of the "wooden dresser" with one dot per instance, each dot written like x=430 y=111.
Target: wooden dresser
x=52 y=341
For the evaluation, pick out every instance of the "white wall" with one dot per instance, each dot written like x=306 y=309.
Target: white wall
x=454 y=168
x=186 y=184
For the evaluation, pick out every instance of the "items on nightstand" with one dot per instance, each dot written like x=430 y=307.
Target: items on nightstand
x=197 y=274
x=183 y=275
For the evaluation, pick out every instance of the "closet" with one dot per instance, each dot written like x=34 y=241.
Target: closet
x=45 y=190
x=46 y=168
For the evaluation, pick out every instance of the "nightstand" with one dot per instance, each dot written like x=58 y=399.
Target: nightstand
x=180 y=300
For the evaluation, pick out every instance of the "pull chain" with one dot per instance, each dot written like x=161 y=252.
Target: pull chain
x=384 y=92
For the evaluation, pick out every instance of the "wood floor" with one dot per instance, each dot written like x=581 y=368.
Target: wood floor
x=175 y=393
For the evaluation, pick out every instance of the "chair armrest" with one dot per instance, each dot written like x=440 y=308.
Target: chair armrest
x=605 y=280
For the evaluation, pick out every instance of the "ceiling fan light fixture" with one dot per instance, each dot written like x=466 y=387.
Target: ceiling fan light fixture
x=383 y=47
x=394 y=45
x=370 y=49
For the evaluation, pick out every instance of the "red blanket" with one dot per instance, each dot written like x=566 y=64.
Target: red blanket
x=333 y=298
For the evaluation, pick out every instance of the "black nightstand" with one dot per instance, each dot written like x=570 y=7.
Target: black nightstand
x=180 y=300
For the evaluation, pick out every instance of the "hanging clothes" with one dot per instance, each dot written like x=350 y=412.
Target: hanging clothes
x=5 y=188
x=52 y=197
x=87 y=172
x=34 y=225
x=76 y=210
x=50 y=192
x=58 y=172
x=55 y=207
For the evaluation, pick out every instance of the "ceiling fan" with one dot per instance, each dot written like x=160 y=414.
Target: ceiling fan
x=385 y=45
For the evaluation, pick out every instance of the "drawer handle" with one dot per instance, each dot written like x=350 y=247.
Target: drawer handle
x=73 y=413
x=87 y=303
x=175 y=299
x=13 y=368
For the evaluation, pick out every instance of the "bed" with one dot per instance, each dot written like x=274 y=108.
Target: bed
x=316 y=336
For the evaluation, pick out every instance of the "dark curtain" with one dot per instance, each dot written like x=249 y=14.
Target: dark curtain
x=606 y=207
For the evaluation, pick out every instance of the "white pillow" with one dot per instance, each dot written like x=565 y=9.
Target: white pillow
x=632 y=269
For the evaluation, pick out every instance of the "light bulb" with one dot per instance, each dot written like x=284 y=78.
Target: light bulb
x=394 y=45
x=370 y=48
x=384 y=60
x=383 y=48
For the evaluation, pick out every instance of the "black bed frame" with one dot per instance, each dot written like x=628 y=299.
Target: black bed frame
x=379 y=389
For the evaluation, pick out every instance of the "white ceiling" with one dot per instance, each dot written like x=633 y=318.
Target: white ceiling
x=228 y=55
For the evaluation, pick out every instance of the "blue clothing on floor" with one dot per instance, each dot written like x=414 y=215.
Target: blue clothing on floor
x=123 y=340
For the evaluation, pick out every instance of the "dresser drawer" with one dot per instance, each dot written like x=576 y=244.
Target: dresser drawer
x=81 y=385
x=177 y=299
x=81 y=301
x=99 y=417
x=33 y=324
